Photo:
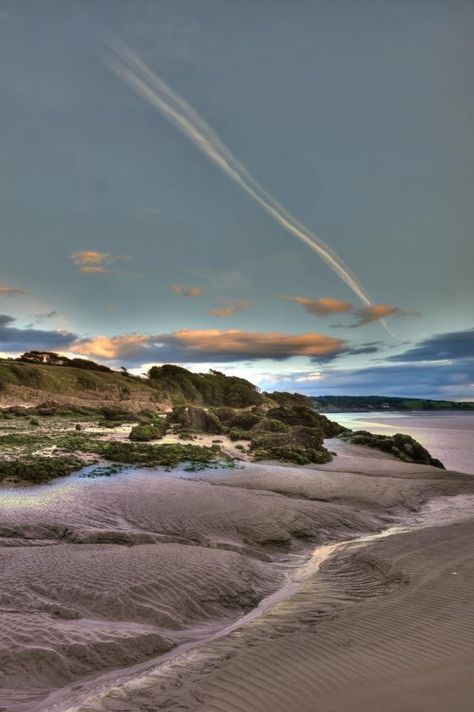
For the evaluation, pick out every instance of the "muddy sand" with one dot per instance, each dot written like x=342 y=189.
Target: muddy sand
x=265 y=588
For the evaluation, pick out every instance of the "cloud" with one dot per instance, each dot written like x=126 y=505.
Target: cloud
x=7 y=291
x=14 y=339
x=311 y=377
x=187 y=291
x=231 y=309
x=93 y=261
x=92 y=269
x=326 y=306
x=323 y=306
x=377 y=312
x=201 y=345
x=450 y=346
x=124 y=346
x=181 y=346
x=46 y=315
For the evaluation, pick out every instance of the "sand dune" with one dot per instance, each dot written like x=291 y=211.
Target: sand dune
x=152 y=590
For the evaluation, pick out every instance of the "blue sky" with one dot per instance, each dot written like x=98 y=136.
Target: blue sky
x=121 y=241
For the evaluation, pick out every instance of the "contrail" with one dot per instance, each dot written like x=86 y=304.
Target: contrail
x=149 y=85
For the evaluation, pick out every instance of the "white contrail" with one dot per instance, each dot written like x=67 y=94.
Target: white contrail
x=158 y=94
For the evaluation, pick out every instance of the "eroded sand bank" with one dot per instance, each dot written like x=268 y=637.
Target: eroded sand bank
x=154 y=590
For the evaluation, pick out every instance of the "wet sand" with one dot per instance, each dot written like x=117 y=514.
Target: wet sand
x=264 y=588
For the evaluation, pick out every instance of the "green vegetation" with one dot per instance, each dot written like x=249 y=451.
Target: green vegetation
x=167 y=455
x=212 y=389
x=67 y=384
x=289 y=399
x=38 y=469
x=66 y=381
x=338 y=404
x=148 y=429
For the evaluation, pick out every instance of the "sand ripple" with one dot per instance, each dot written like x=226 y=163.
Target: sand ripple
x=124 y=593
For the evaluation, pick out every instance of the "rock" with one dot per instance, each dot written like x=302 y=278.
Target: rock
x=301 y=445
x=191 y=418
x=401 y=445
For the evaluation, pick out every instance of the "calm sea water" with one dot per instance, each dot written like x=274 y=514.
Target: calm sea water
x=449 y=436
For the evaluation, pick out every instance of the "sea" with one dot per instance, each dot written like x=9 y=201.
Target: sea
x=448 y=435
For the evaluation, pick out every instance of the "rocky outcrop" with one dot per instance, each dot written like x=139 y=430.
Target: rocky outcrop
x=402 y=446
x=188 y=418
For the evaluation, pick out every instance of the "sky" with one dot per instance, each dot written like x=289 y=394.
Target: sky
x=282 y=191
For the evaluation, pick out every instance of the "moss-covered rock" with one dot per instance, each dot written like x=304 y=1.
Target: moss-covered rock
x=148 y=430
x=38 y=469
x=197 y=419
x=295 y=415
x=244 y=419
x=400 y=445
x=300 y=444
x=269 y=425
x=166 y=455
x=330 y=428
x=297 y=455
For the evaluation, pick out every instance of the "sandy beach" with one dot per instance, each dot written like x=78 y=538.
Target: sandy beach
x=256 y=589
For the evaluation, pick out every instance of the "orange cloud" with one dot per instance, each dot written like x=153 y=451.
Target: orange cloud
x=93 y=261
x=323 y=306
x=257 y=344
x=187 y=345
x=366 y=315
x=231 y=309
x=187 y=291
x=379 y=311
x=11 y=291
x=122 y=346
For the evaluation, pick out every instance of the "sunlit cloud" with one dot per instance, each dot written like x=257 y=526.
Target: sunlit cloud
x=377 y=312
x=8 y=291
x=186 y=291
x=257 y=344
x=93 y=261
x=188 y=345
x=123 y=346
x=323 y=306
x=326 y=306
x=149 y=85
x=231 y=309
